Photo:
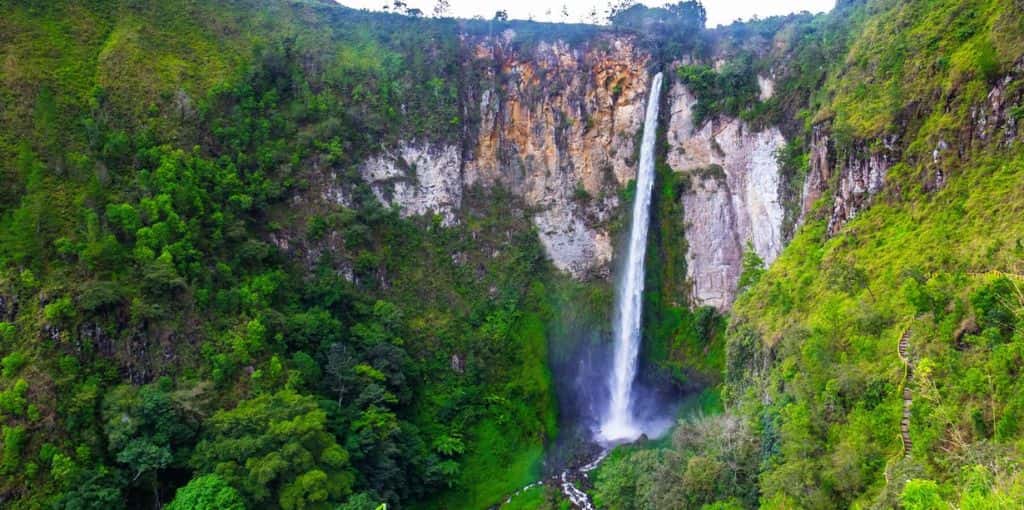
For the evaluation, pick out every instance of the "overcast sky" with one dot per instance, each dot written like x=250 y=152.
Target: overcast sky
x=719 y=11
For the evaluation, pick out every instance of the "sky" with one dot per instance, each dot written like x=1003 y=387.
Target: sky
x=719 y=11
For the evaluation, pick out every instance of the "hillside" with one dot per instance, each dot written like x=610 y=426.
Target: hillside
x=170 y=251
x=911 y=227
x=286 y=254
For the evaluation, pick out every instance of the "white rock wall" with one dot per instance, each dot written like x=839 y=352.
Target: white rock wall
x=726 y=208
x=418 y=179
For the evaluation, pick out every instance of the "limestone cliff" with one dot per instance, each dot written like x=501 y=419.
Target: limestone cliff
x=556 y=127
x=733 y=199
x=419 y=179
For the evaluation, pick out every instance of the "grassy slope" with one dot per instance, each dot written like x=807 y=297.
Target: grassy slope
x=831 y=310
x=909 y=54
x=834 y=385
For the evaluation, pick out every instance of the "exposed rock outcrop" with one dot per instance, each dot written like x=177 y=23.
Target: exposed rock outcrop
x=417 y=178
x=859 y=175
x=997 y=119
x=734 y=196
x=816 y=181
x=766 y=88
x=859 y=170
x=557 y=127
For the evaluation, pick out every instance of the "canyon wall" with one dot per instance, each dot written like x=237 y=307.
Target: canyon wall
x=733 y=199
x=556 y=126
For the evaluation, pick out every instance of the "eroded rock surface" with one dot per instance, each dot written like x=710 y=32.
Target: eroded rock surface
x=418 y=178
x=556 y=126
x=733 y=199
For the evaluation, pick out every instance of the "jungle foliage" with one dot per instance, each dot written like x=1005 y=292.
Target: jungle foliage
x=186 y=320
x=162 y=346
x=813 y=385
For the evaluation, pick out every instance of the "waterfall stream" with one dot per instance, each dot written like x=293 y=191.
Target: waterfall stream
x=619 y=423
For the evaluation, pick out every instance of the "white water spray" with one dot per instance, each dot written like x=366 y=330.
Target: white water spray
x=619 y=423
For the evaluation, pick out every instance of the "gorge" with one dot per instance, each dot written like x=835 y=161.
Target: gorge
x=291 y=255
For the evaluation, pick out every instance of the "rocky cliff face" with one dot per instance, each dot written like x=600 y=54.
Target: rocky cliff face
x=557 y=127
x=859 y=170
x=417 y=178
x=733 y=199
x=860 y=175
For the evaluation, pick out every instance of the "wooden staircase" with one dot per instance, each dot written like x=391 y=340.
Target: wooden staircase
x=907 y=397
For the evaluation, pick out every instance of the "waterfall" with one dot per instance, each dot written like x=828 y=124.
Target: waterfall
x=619 y=422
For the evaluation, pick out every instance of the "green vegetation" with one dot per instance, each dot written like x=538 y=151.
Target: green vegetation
x=190 y=316
x=173 y=328
x=731 y=91
x=207 y=491
x=666 y=32
x=812 y=379
x=836 y=316
x=710 y=459
x=685 y=346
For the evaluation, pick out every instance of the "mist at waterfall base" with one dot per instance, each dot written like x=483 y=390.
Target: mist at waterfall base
x=581 y=383
x=605 y=395
x=580 y=374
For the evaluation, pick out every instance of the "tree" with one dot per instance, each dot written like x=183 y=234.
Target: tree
x=275 y=448
x=691 y=12
x=848 y=277
x=441 y=8
x=340 y=370
x=95 y=488
x=14 y=441
x=206 y=492
x=145 y=427
x=753 y=269
x=361 y=501
x=143 y=456
x=501 y=16
x=616 y=7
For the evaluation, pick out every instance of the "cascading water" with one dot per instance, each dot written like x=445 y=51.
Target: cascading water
x=619 y=422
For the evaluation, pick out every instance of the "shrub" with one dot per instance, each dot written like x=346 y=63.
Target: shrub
x=12 y=363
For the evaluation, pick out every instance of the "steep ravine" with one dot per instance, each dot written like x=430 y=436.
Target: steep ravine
x=558 y=125
x=558 y=128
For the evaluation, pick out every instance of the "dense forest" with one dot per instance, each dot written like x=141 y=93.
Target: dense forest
x=191 y=319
